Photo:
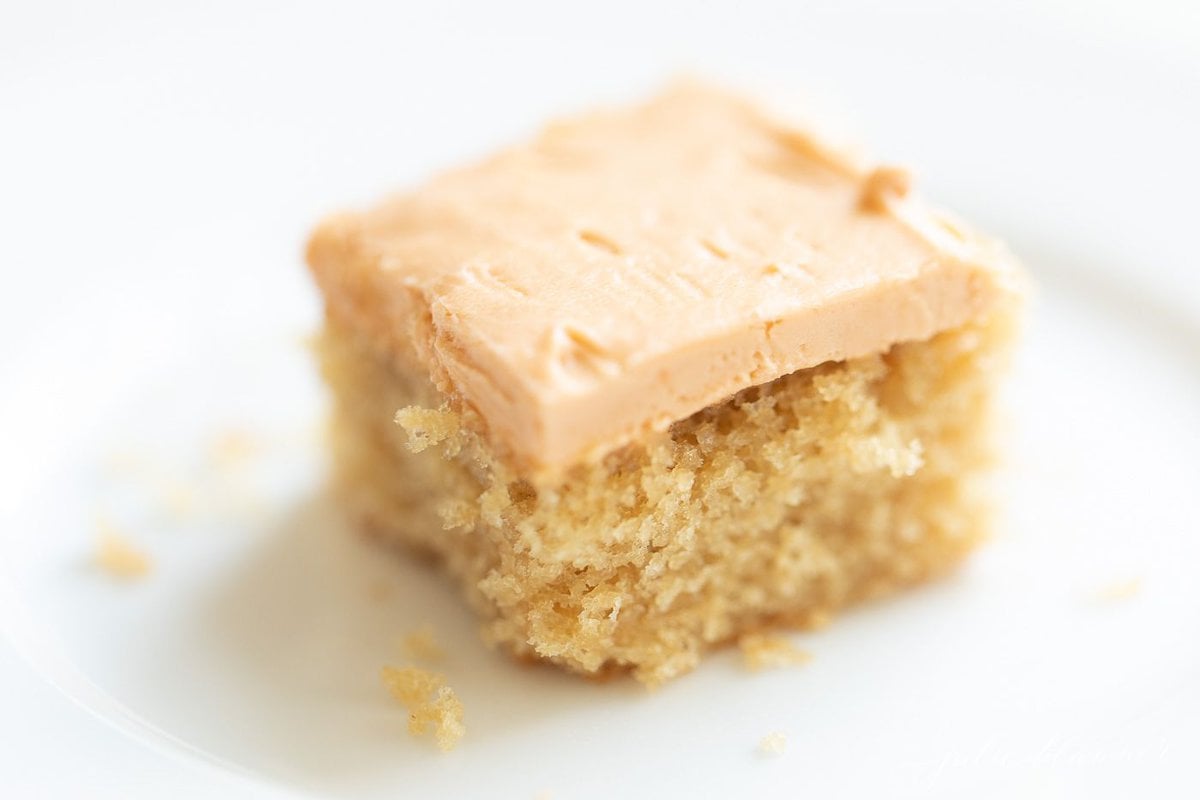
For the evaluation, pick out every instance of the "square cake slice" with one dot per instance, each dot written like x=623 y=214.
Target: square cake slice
x=662 y=377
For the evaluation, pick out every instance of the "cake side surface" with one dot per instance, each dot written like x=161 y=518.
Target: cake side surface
x=828 y=486
x=532 y=288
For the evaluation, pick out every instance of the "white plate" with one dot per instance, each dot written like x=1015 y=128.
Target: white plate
x=163 y=308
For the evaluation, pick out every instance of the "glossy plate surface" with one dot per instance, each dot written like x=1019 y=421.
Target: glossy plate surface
x=155 y=380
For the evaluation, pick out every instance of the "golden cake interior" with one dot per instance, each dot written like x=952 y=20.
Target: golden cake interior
x=782 y=504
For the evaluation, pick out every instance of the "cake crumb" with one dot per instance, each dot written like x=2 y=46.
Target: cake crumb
x=881 y=185
x=420 y=645
x=233 y=447
x=430 y=703
x=427 y=427
x=117 y=556
x=179 y=500
x=1120 y=590
x=125 y=462
x=763 y=651
x=773 y=743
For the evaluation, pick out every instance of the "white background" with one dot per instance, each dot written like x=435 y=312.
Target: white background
x=152 y=151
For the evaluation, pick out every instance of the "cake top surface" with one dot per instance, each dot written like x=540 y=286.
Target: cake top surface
x=629 y=267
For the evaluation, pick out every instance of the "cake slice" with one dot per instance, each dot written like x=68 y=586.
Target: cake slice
x=662 y=377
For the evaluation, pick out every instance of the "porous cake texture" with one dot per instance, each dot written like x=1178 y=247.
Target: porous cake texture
x=431 y=704
x=664 y=378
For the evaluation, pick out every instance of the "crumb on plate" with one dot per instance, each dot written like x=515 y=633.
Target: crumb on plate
x=1120 y=590
x=762 y=651
x=179 y=499
x=233 y=447
x=773 y=743
x=117 y=556
x=430 y=703
x=125 y=462
x=421 y=645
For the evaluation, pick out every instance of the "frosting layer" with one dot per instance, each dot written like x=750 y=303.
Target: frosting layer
x=628 y=268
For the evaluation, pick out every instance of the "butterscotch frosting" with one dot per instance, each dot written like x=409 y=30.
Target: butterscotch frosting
x=628 y=268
